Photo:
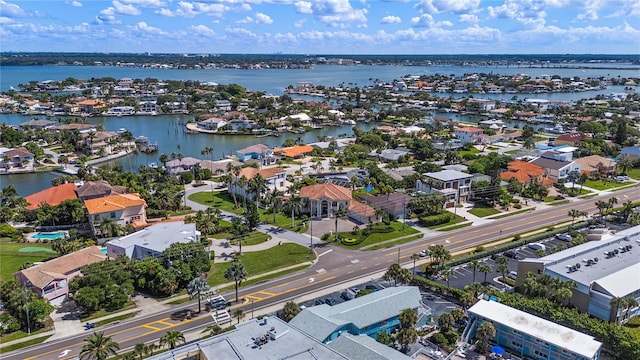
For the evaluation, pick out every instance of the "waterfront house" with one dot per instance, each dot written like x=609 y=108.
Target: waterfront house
x=571 y=139
x=53 y=196
x=153 y=240
x=366 y=315
x=241 y=124
x=16 y=160
x=212 y=123
x=454 y=185
x=274 y=178
x=294 y=152
x=96 y=140
x=36 y=124
x=177 y=166
x=92 y=106
x=260 y=152
x=148 y=108
x=528 y=336
x=50 y=280
x=224 y=105
x=123 y=209
x=467 y=134
x=97 y=189
x=81 y=128
x=219 y=167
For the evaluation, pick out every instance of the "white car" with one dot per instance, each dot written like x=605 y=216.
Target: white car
x=564 y=237
x=423 y=253
x=537 y=246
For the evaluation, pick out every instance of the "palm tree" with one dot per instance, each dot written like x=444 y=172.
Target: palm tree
x=207 y=151
x=574 y=213
x=458 y=315
x=275 y=200
x=196 y=287
x=445 y=322
x=99 y=347
x=414 y=257
x=239 y=315
x=625 y=164
x=629 y=303
x=503 y=266
x=236 y=273
x=474 y=266
x=485 y=268
x=407 y=334
x=602 y=206
x=242 y=183
x=172 y=339
x=290 y=310
x=213 y=330
x=110 y=228
x=142 y=350
x=239 y=230
x=296 y=206
x=485 y=332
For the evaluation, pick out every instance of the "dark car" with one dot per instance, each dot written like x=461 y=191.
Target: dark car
x=347 y=296
x=371 y=287
x=330 y=301
x=185 y=314
x=495 y=256
x=319 y=302
x=511 y=254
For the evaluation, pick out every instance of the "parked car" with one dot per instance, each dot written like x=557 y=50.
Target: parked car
x=536 y=246
x=564 y=237
x=512 y=254
x=89 y=326
x=319 y=302
x=347 y=296
x=512 y=275
x=330 y=301
x=371 y=287
x=355 y=290
x=495 y=256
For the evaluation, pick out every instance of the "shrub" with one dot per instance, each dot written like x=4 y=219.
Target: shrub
x=439 y=339
x=517 y=206
x=435 y=219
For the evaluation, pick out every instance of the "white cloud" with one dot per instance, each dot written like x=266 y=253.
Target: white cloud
x=125 y=9
x=144 y=28
x=145 y=3
x=390 y=19
x=426 y=20
x=5 y=20
x=468 y=18
x=303 y=7
x=188 y=9
x=263 y=18
x=202 y=30
x=299 y=23
x=528 y=12
x=240 y=32
x=75 y=3
x=336 y=13
x=11 y=10
x=247 y=20
x=454 y=6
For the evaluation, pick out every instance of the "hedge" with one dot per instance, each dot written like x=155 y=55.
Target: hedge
x=435 y=219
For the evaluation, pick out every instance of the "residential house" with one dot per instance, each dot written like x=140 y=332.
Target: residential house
x=16 y=160
x=52 y=196
x=92 y=106
x=274 y=178
x=390 y=154
x=36 y=124
x=177 y=107
x=301 y=119
x=50 y=280
x=224 y=105
x=219 y=167
x=325 y=200
x=259 y=152
x=177 y=166
x=149 y=107
x=632 y=152
x=454 y=185
x=122 y=209
x=97 y=189
x=526 y=173
x=556 y=165
x=528 y=336
x=294 y=152
x=241 y=124
x=394 y=204
x=367 y=315
x=468 y=134
x=571 y=139
x=96 y=140
x=80 y=128
x=153 y=240
x=594 y=165
x=212 y=123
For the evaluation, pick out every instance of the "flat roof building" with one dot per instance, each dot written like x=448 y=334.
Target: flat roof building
x=602 y=270
x=529 y=336
x=153 y=240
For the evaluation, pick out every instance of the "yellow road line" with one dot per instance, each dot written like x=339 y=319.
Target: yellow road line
x=151 y=327
x=266 y=293
x=164 y=323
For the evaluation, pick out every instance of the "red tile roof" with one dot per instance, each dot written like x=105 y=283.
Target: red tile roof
x=294 y=151
x=52 y=196
x=113 y=203
x=522 y=171
x=361 y=209
x=251 y=172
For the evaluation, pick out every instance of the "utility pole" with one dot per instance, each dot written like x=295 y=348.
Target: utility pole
x=398 y=256
x=404 y=215
x=311 y=232
x=26 y=299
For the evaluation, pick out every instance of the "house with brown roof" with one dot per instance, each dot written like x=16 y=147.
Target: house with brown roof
x=97 y=189
x=16 y=160
x=50 y=280
x=394 y=204
x=81 y=128
x=52 y=196
x=123 y=209
x=274 y=178
x=92 y=106
x=468 y=134
x=294 y=152
x=571 y=139
x=325 y=200
x=593 y=165
x=526 y=173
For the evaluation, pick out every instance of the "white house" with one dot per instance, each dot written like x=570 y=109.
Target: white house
x=454 y=185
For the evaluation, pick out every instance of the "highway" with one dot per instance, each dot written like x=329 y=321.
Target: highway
x=334 y=267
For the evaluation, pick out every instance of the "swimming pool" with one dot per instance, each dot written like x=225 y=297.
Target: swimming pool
x=50 y=236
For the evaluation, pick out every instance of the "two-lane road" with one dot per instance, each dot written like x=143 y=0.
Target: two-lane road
x=335 y=266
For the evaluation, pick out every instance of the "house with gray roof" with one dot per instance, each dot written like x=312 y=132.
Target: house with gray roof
x=390 y=154
x=557 y=165
x=153 y=240
x=454 y=185
x=602 y=270
x=631 y=151
x=364 y=347
x=394 y=203
x=366 y=315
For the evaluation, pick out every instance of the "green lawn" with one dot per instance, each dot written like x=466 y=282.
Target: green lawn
x=397 y=242
x=224 y=202
x=602 y=185
x=483 y=211
x=379 y=233
x=634 y=173
x=454 y=220
x=472 y=151
x=11 y=258
x=260 y=262
x=633 y=326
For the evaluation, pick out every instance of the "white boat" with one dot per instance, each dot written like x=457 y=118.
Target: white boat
x=120 y=111
x=153 y=165
x=558 y=129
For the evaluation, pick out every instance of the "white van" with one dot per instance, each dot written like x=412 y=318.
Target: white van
x=537 y=246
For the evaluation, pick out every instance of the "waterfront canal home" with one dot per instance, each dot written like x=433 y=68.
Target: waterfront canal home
x=211 y=122
x=526 y=173
x=16 y=160
x=96 y=140
x=274 y=178
x=633 y=152
x=36 y=124
x=79 y=127
x=594 y=165
x=123 y=209
x=327 y=199
x=50 y=280
x=97 y=189
x=260 y=152
x=468 y=134
x=294 y=152
x=52 y=196
x=153 y=240
x=454 y=185
x=176 y=167
x=92 y=106
x=366 y=315
x=528 y=336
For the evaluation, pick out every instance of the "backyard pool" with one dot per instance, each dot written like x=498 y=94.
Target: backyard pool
x=50 y=236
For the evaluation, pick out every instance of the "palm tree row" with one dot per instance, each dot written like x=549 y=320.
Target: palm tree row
x=101 y=347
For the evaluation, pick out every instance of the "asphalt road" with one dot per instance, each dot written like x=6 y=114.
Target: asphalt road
x=334 y=267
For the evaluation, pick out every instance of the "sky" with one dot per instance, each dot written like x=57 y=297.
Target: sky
x=323 y=26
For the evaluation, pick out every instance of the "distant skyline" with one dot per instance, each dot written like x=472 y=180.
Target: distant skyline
x=323 y=26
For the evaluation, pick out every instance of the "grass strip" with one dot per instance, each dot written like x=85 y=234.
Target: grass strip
x=23 y=344
x=114 y=319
